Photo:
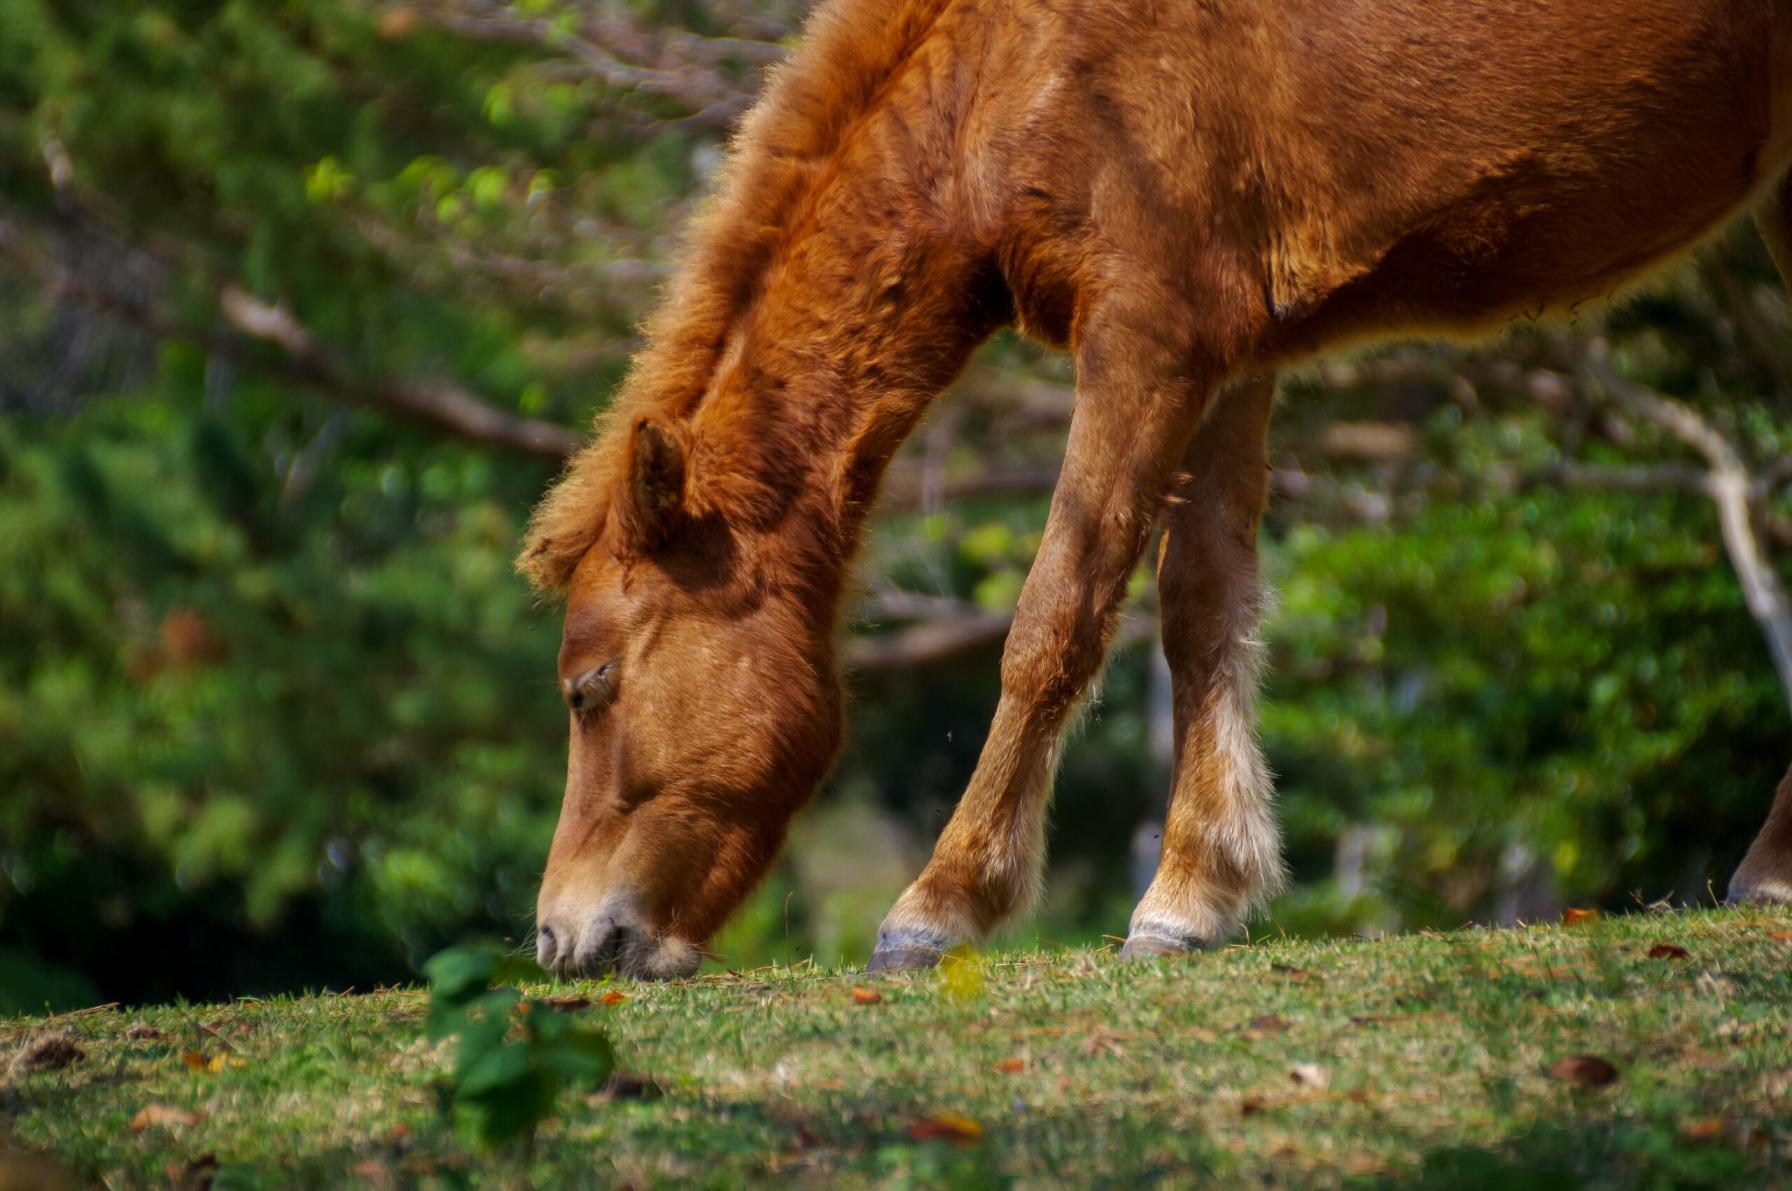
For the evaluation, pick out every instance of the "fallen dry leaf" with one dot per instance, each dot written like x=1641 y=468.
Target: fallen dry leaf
x=946 y=1126
x=141 y=1031
x=1584 y=1071
x=1250 y=1106
x=1704 y=1129
x=1668 y=951
x=1784 y=936
x=198 y=1062
x=614 y=997
x=1269 y=1023
x=866 y=996
x=961 y=975
x=1310 y=1075
x=1011 y=1066
x=163 y=1116
x=1290 y=971
x=566 y=1003
x=1579 y=917
x=48 y=1051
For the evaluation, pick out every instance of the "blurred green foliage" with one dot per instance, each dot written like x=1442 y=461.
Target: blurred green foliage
x=275 y=713
x=514 y=1055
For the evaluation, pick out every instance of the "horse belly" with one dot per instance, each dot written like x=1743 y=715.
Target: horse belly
x=1541 y=212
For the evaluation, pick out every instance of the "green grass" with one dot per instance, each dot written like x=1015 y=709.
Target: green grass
x=1434 y=1052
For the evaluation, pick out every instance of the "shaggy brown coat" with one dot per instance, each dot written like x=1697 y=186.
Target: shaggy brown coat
x=1181 y=194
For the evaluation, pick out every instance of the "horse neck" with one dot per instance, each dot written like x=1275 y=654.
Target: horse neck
x=882 y=290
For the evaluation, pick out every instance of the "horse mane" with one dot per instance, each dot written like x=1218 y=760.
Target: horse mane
x=781 y=153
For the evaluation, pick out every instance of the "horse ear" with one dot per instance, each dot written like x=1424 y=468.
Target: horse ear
x=654 y=494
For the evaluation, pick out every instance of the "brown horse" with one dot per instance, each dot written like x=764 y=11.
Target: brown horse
x=1181 y=194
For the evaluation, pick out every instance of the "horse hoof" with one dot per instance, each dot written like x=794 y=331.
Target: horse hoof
x=1149 y=947
x=1764 y=892
x=901 y=958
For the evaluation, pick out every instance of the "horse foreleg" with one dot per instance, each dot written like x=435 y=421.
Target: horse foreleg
x=1139 y=396
x=1221 y=851
x=1765 y=874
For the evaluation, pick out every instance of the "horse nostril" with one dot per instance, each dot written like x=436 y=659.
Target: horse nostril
x=611 y=944
x=544 y=947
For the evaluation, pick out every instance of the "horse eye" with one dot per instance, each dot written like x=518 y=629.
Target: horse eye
x=591 y=691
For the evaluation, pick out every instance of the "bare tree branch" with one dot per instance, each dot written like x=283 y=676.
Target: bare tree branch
x=302 y=358
x=927 y=643
x=1667 y=477
x=1733 y=488
x=687 y=68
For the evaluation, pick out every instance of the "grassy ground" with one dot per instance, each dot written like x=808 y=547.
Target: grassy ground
x=1424 y=1059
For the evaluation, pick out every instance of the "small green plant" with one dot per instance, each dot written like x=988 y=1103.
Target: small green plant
x=516 y=1054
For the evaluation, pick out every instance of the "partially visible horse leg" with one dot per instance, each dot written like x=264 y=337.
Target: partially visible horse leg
x=1221 y=850
x=1139 y=396
x=1765 y=874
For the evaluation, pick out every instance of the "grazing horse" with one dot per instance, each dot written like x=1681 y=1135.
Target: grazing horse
x=1185 y=195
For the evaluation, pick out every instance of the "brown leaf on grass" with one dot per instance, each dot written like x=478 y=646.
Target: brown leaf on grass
x=566 y=1003
x=946 y=1126
x=1668 y=951
x=1011 y=1066
x=1250 y=1106
x=1579 y=917
x=1784 y=936
x=614 y=997
x=1584 y=1071
x=1269 y=1023
x=1290 y=971
x=1703 y=1129
x=1368 y=1019
x=866 y=996
x=1310 y=1075
x=163 y=1116
x=142 y=1032
x=48 y=1051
